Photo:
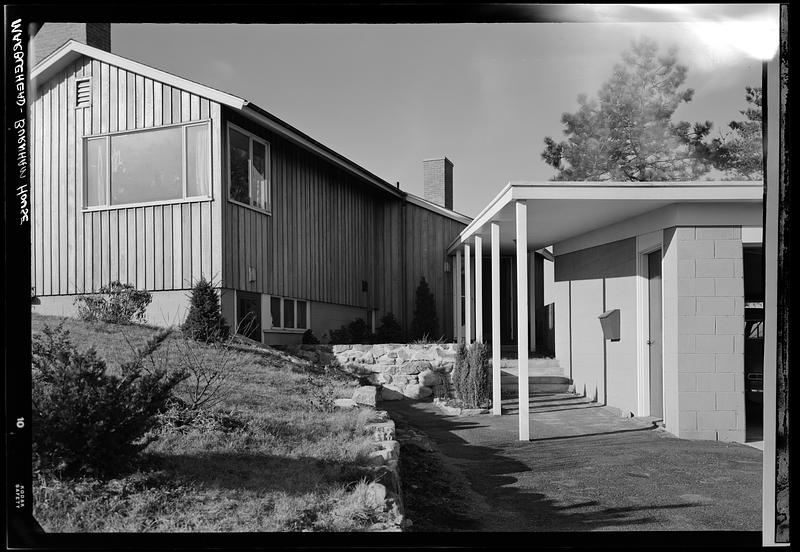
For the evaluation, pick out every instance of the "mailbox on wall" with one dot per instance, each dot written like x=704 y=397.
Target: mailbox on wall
x=609 y=321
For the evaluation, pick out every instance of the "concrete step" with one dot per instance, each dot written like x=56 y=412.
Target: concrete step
x=549 y=402
x=536 y=384
x=549 y=368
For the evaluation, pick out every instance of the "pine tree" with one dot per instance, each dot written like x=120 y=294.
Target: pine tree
x=627 y=132
x=739 y=152
x=425 y=324
x=205 y=321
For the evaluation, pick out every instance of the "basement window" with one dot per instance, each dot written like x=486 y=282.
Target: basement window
x=83 y=92
x=249 y=169
x=156 y=165
x=289 y=314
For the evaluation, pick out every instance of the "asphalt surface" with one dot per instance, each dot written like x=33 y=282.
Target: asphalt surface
x=584 y=469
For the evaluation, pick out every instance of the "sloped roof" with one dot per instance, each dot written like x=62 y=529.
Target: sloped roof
x=72 y=50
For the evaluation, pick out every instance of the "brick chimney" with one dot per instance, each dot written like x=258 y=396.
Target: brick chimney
x=438 y=179
x=50 y=36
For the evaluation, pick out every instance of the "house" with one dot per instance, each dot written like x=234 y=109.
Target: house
x=151 y=179
x=656 y=291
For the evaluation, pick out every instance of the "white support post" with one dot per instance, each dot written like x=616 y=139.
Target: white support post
x=467 y=297
x=459 y=306
x=478 y=289
x=522 y=319
x=496 y=345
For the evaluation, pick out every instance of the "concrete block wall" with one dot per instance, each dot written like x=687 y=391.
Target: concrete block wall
x=710 y=333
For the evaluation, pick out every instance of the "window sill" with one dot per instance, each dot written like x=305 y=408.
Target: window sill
x=251 y=207
x=146 y=204
x=285 y=331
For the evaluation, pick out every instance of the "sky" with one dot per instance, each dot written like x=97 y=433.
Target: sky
x=484 y=95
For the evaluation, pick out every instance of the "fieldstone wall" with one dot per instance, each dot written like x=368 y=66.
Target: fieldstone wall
x=399 y=370
x=410 y=371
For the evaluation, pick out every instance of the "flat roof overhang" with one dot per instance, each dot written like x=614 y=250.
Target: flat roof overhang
x=558 y=211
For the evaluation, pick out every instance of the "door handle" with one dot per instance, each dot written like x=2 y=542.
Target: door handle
x=650 y=342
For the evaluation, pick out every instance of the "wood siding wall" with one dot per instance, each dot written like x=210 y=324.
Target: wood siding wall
x=328 y=232
x=159 y=247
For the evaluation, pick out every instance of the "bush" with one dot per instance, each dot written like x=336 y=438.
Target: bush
x=207 y=368
x=117 y=303
x=356 y=331
x=309 y=338
x=460 y=370
x=389 y=331
x=205 y=321
x=471 y=375
x=477 y=381
x=425 y=324
x=88 y=421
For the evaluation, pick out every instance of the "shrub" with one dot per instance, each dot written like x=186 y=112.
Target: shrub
x=205 y=321
x=471 y=375
x=425 y=324
x=117 y=303
x=356 y=331
x=207 y=368
x=460 y=370
x=389 y=331
x=477 y=381
x=86 y=420
x=309 y=338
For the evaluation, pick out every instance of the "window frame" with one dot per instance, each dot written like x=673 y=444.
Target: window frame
x=283 y=328
x=268 y=169
x=184 y=161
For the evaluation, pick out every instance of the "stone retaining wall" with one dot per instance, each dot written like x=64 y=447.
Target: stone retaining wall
x=400 y=370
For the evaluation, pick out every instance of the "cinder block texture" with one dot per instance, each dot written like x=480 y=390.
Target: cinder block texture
x=711 y=363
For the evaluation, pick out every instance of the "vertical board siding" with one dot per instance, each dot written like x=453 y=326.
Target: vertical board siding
x=154 y=247
x=328 y=232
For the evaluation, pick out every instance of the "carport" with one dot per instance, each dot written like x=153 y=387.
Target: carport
x=531 y=216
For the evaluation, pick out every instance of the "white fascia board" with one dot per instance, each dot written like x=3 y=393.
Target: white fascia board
x=425 y=204
x=676 y=214
x=484 y=217
x=72 y=49
x=651 y=191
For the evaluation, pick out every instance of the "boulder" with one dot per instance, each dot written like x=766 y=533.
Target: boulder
x=376 y=495
x=416 y=367
x=345 y=403
x=400 y=380
x=340 y=348
x=382 y=431
x=428 y=378
x=384 y=378
x=366 y=395
x=417 y=391
x=380 y=416
x=389 y=393
x=368 y=358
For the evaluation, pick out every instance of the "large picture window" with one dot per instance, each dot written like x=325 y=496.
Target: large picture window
x=249 y=169
x=154 y=165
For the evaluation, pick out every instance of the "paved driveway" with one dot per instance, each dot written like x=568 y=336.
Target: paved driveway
x=586 y=469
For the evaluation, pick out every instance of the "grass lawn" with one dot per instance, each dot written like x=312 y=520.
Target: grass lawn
x=266 y=458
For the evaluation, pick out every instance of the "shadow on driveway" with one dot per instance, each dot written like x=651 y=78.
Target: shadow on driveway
x=583 y=470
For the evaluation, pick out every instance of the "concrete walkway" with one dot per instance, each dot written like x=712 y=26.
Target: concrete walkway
x=586 y=469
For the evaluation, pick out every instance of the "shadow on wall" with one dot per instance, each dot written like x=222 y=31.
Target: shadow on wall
x=611 y=260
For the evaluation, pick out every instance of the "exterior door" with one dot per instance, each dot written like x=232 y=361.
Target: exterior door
x=655 y=340
x=248 y=315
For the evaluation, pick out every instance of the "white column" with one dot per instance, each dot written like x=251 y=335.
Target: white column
x=478 y=289
x=522 y=319
x=496 y=345
x=467 y=297
x=459 y=307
